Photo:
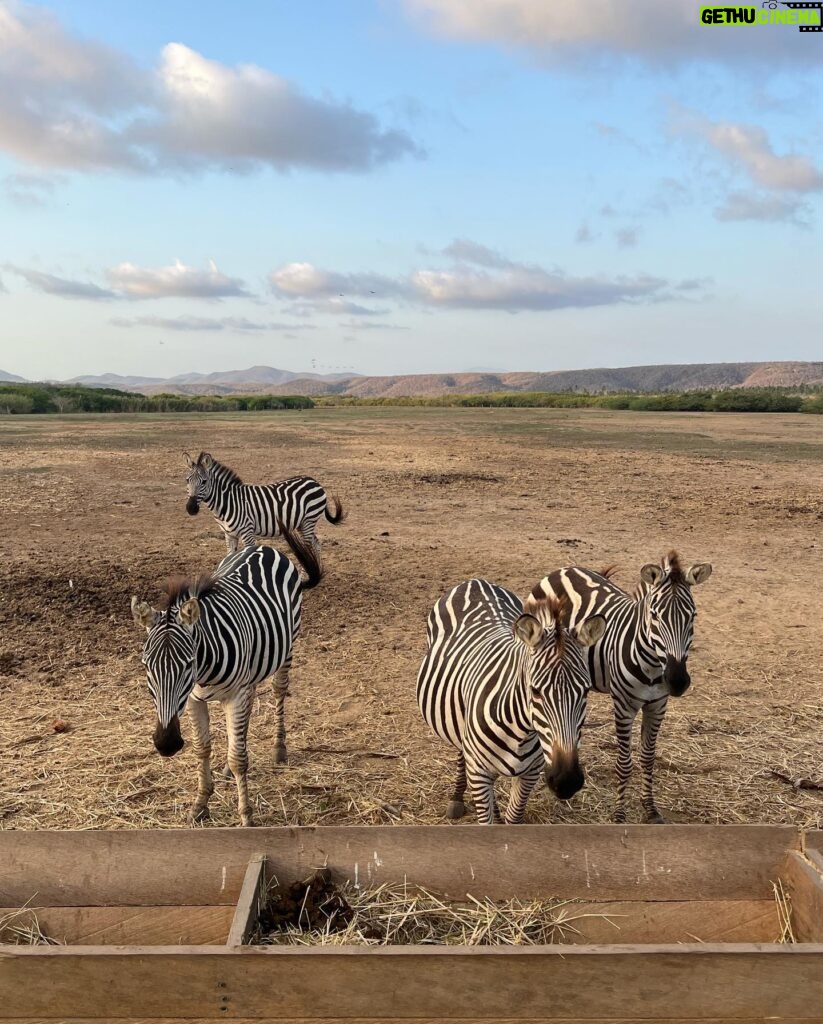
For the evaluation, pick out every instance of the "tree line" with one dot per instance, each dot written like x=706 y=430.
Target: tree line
x=24 y=399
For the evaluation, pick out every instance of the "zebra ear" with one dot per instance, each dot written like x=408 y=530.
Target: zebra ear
x=189 y=612
x=189 y=460
x=529 y=630
x=205 y=460
x=143 y=613
x=651 y=573
x=698 y=573
x=590 y=631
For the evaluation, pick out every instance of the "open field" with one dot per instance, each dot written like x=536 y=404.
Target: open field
x=93 y=511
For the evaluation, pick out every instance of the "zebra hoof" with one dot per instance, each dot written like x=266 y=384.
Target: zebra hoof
x=456 y=809
x=654 y=818
x=199 y=815
x=280 y=755
x=227 y=773
x=247 y=821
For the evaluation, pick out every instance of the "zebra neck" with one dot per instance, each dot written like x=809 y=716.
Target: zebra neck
x=644 y=652
x=220 y=495
x=514 y=707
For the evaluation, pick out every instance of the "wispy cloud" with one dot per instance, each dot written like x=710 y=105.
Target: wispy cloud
x=574 y=34
x=627 y=237
x=30 y=189
x=751 y=206
x=239 y=324
x=73 y=103
x=63 y=287
x=478 y=278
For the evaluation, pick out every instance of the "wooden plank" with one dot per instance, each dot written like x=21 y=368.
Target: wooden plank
x=249 y=901
x=129 y=926
x=417 y=1020
x=614 y=862
x=805 y=883
x=813 y=840
x=705 y=981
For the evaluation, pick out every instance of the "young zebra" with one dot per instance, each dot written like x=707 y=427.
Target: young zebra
x=508 y=692
x=245 y=512
x=215 y=640
x=641 y=658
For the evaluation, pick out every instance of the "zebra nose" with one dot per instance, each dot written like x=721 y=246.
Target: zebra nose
x=192 y=506
x=676 y=676
x=167 y=739
x=564 y=776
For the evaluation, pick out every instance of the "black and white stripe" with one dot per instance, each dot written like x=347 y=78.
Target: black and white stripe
x=507 y=689
x=641 y=659
x=245 y=512
x=216 y=639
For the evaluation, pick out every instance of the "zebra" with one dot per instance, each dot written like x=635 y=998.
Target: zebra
x=641 y=660
x=217 y=637
x=245 y=512
x=508 y=692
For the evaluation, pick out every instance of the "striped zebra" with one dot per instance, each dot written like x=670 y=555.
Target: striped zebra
x=216 y=638
x=641 y=659
x=508 y=692
x=245 y=512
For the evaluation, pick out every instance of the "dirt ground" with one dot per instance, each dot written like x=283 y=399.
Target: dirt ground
x=93 y=512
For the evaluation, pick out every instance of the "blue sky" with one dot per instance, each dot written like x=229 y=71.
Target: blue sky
x=409 y=186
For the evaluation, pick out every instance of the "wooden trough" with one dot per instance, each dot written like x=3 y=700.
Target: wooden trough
x=684 y=926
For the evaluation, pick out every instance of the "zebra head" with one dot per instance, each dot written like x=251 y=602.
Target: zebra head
x=198 y=481
x=670 y=613
x=557 y=687
x=168 y=655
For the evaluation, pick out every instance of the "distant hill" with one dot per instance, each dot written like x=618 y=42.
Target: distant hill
x=11 y=377
x=655 y=378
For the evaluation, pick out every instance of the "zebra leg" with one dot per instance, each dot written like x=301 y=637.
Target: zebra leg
x=201 y=744
x=238 y=712
x=231 y=541
x=521 y=788
x=624 y=717
x=652 y=720
x=457 y=808
x=481 y=784
x=281 y=691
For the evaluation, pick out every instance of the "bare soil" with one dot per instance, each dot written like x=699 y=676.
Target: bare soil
x=93 y=512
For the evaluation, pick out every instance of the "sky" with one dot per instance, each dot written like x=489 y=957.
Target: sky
x=404 y=186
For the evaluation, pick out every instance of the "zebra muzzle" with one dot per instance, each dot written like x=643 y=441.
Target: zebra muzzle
x=192 y=506
x=564 y=776
x=167 y=739
x=676 y=676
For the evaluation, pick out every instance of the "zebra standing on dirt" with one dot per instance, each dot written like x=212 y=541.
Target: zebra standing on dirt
x=245 y=512
x=508 y=692
x=641 y=659
x=215 y=640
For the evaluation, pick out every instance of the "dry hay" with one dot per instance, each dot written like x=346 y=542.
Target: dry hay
x=21 y=928
x=317 y=913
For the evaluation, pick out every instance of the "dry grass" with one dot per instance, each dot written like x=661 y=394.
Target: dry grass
x=104 y=499
x=400 y=915
x=21 y=928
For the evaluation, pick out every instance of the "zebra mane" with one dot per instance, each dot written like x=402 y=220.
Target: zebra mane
x=227 y=473
x=555 y=610
x=676 y=574
x=609 y=572
x=181 y=588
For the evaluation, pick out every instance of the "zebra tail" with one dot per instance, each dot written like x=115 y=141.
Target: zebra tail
x=339 y=514
x=305 y=555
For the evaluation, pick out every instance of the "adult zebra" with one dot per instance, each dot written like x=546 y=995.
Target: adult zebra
x=641 y=659
x=216 y=639
x=245 y=512
x=508 y=692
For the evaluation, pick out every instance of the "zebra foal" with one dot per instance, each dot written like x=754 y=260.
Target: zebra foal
x=216 y=639
x=245 y=512
x=507 y=690
x=641 y=659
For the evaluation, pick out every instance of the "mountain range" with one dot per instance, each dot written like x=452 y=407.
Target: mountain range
x=655 y=378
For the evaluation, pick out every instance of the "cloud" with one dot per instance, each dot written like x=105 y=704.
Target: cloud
x=369 y=325
x=750 y=206
x=130 y=282
x=747 y=148
x=197 y=323
x=571 y=33
x=478 y=278
x=61 y=286
x=584 y=234
x=177 y=280
x=68 y=102
x=626 y=237
x=30 y=189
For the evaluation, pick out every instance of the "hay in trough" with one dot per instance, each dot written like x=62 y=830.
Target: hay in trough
x=21 y=928
x=317 y=913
